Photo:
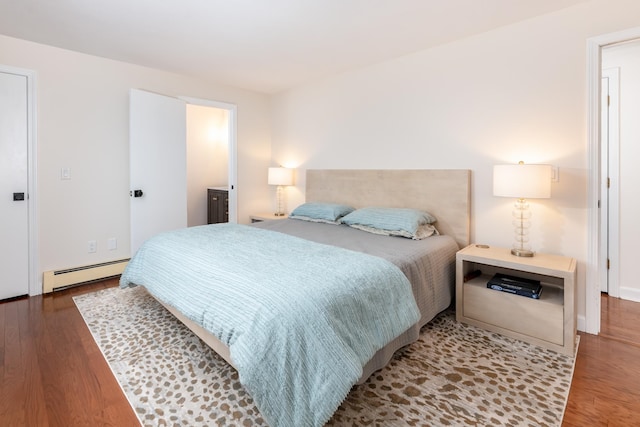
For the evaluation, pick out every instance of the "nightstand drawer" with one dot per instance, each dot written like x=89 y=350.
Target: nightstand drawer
x=539 y=318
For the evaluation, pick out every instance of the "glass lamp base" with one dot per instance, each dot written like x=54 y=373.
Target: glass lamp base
x=522 y=252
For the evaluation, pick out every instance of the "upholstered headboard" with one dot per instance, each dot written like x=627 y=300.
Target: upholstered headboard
x=444 y=193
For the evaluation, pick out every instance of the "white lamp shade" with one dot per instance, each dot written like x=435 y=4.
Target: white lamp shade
x=280 y=176
x=522 y=181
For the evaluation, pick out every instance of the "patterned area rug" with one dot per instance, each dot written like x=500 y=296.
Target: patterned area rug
x=454 y=374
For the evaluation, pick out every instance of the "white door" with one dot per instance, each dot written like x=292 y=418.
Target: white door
x=610 y=160
x=14 y=230
x=158 y=165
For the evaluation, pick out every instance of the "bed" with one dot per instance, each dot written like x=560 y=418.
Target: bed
x=388 y=288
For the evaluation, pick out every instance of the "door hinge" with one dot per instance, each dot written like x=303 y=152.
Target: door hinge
x=608 y=264
x=608 y=182
x=608 y=100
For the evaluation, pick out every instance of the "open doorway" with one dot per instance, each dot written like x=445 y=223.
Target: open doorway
x=158 y=162
x=218 y=167
x=621 y=70
x=207 y=158
x=620 y=302
x=597 y=233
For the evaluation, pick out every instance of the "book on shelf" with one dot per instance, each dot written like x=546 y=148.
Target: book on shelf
x=515 y=285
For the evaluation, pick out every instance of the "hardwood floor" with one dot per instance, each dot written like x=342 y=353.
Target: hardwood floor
x=53 y=374
x=606 y=383
x=51 y=371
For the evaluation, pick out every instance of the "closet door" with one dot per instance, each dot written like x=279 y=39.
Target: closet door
x=158 y=165
x=14 y=197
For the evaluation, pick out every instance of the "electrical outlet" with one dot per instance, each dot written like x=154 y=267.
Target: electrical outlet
x=112 y=243
x=92 y=246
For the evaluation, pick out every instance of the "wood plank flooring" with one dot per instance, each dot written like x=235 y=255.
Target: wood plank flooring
x=51 y=371
x=606 y=383
x=53 y=374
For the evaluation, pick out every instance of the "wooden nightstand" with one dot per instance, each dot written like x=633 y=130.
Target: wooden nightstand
x=549 y=321
x=266 y=217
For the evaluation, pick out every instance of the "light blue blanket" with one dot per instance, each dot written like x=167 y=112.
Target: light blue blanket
x=300 y=318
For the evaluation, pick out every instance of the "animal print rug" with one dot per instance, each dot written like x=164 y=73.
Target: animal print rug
x=454 y=375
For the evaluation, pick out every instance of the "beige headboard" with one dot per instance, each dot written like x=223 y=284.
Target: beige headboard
x=446 y=194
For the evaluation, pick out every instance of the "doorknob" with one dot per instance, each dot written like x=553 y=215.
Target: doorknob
x=18 y=197
x=136 y=193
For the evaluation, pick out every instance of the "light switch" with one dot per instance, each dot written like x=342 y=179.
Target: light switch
x=65 y=173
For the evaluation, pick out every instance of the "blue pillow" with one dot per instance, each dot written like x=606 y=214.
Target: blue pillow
x=321 y=212
x=411 y=223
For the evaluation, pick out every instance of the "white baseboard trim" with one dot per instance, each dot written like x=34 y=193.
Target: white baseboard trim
x=631 y=294
x=582 y=323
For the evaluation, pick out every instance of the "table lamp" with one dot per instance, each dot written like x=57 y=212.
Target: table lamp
x=522 y=181
x=280 y=176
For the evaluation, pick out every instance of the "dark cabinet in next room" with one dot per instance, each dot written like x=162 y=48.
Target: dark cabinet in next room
x=217 y=205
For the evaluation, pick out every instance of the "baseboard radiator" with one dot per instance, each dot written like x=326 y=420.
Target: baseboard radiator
x=57 y=279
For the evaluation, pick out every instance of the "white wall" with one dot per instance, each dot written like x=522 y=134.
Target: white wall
x=83 y=120
x=627 y=58
x=207 y=157
x=515 y=93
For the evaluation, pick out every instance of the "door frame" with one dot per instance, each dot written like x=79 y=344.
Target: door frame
x=594 y=234
x=233 y=129
x=35 y=282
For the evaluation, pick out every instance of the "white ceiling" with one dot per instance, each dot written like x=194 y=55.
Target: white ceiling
x=261 y=45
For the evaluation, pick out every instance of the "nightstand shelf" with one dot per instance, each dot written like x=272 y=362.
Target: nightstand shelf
x=548 y=321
